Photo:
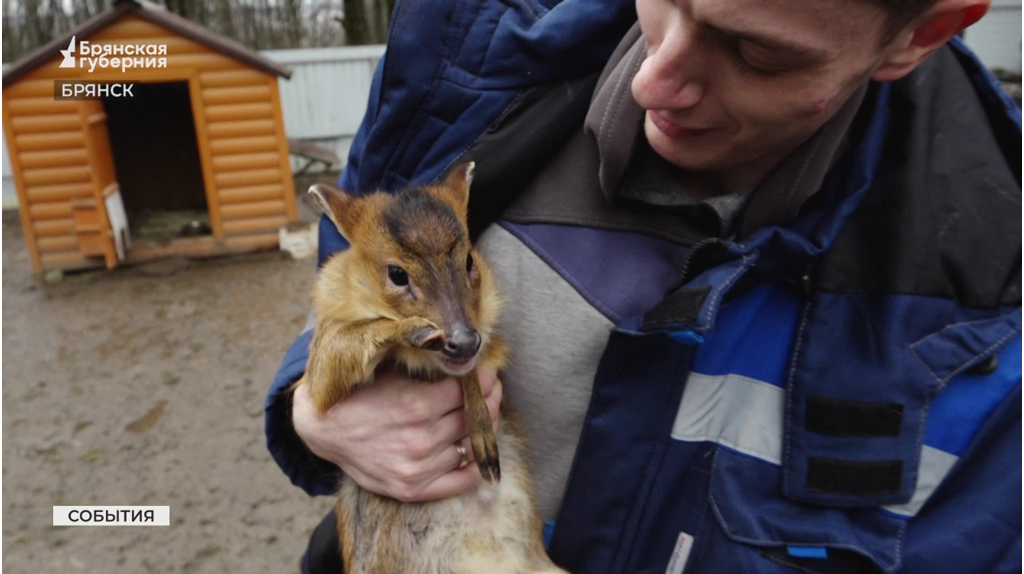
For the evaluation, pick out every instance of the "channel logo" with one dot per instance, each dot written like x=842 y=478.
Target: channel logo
x=69 y=60
x=91 y=55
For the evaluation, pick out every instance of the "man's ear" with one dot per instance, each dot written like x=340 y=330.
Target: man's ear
x=927 y=34
x=341 y=207
x=455 y=188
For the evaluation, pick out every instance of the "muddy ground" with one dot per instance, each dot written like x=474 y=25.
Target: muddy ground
x=145 y=386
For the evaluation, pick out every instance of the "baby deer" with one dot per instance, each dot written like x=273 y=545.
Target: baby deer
x=410 y=293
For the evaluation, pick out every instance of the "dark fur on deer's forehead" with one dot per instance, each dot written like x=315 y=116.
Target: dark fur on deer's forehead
x=423 y=224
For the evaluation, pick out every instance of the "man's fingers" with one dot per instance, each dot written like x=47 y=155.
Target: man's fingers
x=413 y=475
x=308 y=425
x=488 y=377
x=452 y=427
x=450 y=457
x=494 y=400
x=366 y=482
x=421 y=401
x=413 y=455
x=443 y=394
x=447 y=485
x=464 y=443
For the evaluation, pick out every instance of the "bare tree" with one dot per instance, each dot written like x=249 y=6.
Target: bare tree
x=224 y=18
x=357 y=25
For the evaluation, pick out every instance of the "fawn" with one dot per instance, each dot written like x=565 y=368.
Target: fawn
x=412 y=294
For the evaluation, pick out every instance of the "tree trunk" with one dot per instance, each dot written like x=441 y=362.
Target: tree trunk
x=357 y=28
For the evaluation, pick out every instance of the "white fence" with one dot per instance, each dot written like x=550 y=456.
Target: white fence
x=996 y=38
x=325 y=99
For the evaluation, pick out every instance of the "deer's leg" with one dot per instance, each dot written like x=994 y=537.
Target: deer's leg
x=342 y=357
x=481 y=432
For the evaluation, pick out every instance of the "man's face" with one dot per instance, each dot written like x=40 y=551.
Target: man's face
x=739 y=84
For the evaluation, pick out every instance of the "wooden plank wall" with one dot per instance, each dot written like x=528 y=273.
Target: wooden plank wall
x=238 y=123
x=252 y=183
x=51 y=168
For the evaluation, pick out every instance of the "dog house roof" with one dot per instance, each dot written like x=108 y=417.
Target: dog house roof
x=156 y=15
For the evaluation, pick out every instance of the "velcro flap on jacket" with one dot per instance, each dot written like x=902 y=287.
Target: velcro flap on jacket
x=865 y=370
x=694 y=306
x=857 y=400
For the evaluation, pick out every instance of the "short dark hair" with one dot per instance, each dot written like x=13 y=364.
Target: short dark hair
x=900 y=14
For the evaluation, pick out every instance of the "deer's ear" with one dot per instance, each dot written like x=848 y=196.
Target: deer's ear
x=455 y=188
x=341 y=207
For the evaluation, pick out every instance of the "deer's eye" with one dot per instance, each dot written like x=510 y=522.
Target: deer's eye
x=397 y=276
x=469 y=264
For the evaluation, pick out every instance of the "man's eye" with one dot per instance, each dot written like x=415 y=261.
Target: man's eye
x=752 y=69
x=397 y=276
x=745 y=65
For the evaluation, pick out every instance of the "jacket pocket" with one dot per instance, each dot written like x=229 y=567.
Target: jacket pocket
x=746 y=498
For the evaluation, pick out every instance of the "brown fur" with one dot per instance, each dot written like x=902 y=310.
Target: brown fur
x=364 y=319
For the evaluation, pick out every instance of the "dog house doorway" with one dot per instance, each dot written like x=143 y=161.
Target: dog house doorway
x=156 y=157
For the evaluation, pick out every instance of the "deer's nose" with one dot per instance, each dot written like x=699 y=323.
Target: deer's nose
x=462 y=344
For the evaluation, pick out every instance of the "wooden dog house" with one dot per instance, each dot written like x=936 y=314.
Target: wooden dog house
x=200 y=145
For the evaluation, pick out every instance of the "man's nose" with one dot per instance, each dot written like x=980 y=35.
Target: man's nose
x=671 y=77
x=463 y=343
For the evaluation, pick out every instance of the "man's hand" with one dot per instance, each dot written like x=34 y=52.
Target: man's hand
x=396 y=436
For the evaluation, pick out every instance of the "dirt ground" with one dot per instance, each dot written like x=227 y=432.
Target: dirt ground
x=145 y=386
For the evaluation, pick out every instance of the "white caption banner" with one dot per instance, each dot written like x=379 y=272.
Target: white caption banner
x=111 y=515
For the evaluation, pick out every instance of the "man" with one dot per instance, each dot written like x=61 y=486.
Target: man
x=763 y=299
